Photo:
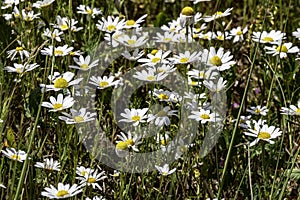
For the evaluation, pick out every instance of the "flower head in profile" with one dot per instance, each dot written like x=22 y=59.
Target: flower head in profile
x=62 y=191
x=272 y=37
x=104 y=82
x=76 y=117
x=292 y=110
x=296 y=33
x=282 y=50
x=135 y=24
x=84 y=64
x=59 y=104
x=55 y=34
x=150 y=75
x=204 y=116
x=218 y=15
x=165 y=170
x=215 y=87
x=162 y=117
x=186 y=57
x=42 y=4
x=49 y=164
x=61 y=81
x=159 y=57
x=111 y=24
x=13 y=154
x=82 y=171
x=57 y=51
x=258 y=110
x=20 y=68
x=134 y=55
x=20 y=49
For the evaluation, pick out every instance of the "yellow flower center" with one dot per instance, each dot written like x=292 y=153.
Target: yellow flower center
x=183 y=60
x=89 y=11
x=62 y=193
x=155 y=60
x=264 y=135
x=193 y=83
x=164 y=173
x=239 y=32
x=83 y=173
x=282 y=48
x=216 y=60
x=197 y=173
x=64 y=27
x=78 y=119
x=111 y=27
x=15 y=157
x=220 y=37
x=72 y=53
x=219 y=14
x=122 y=145
x=58 y=52
x=154 y=51
x=201 y=74
x=91 y=180
x=163 y=96
x=84 y=66
x=103 y=84
x=135 y=118
x=57 y=106
x=131 y=42
x=167 y=39
x=204 y=116
x=164 y=142
x=19 y=70
x=257 y=111
x=129 y=142
x=16 y=15
x=268 y=39
x=187 y=11
x=150 y=78
x=61 y=83
x=130 y=22
x=298 y=111
x=161 y=113
x=19 y=49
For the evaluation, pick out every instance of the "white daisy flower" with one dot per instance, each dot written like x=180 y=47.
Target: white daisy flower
x=164 y=170
x=61 y=81
x=202 y=74
x=111 y=24
x=55 y=34
x=204 y=116
x=92 y=179
x=296 y=33
x=206 y=36
x=73 y=27
x=127 y=142
x=273 y=37
x=135 y=116
x=219 y=60
x=80 y=116
x=58 y=51
x=134 y=56
x=198 y=1
x=258 y=110
x=20 y=68
x=135 y=24
x=48 y=164
x=62 y=23
x=62 y=191
x=9 y=3
x=265 y=133
x=150 y=75
x=133 y=41
x=84 y=64
x=116 y=173
x=188 y=16
x=162 y=139
x=86 y=10
x=42 y=4
x=16 y=13
x=238 y=34
x=221 y=36
x=165 y=68
x=162 y=117
x=215 y=87
x=167 y=37
x=83 y=171
x=12 y=154
x=282 y=50
x=104 y=82
x=158 y=58
x=60 y=103
x=167 y=96
x=29 y=16
x=218 y=15
x=292 y=110
x=186 y=57
x=18 y=50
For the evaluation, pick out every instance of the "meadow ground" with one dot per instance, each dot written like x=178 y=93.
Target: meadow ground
x=140 y=99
